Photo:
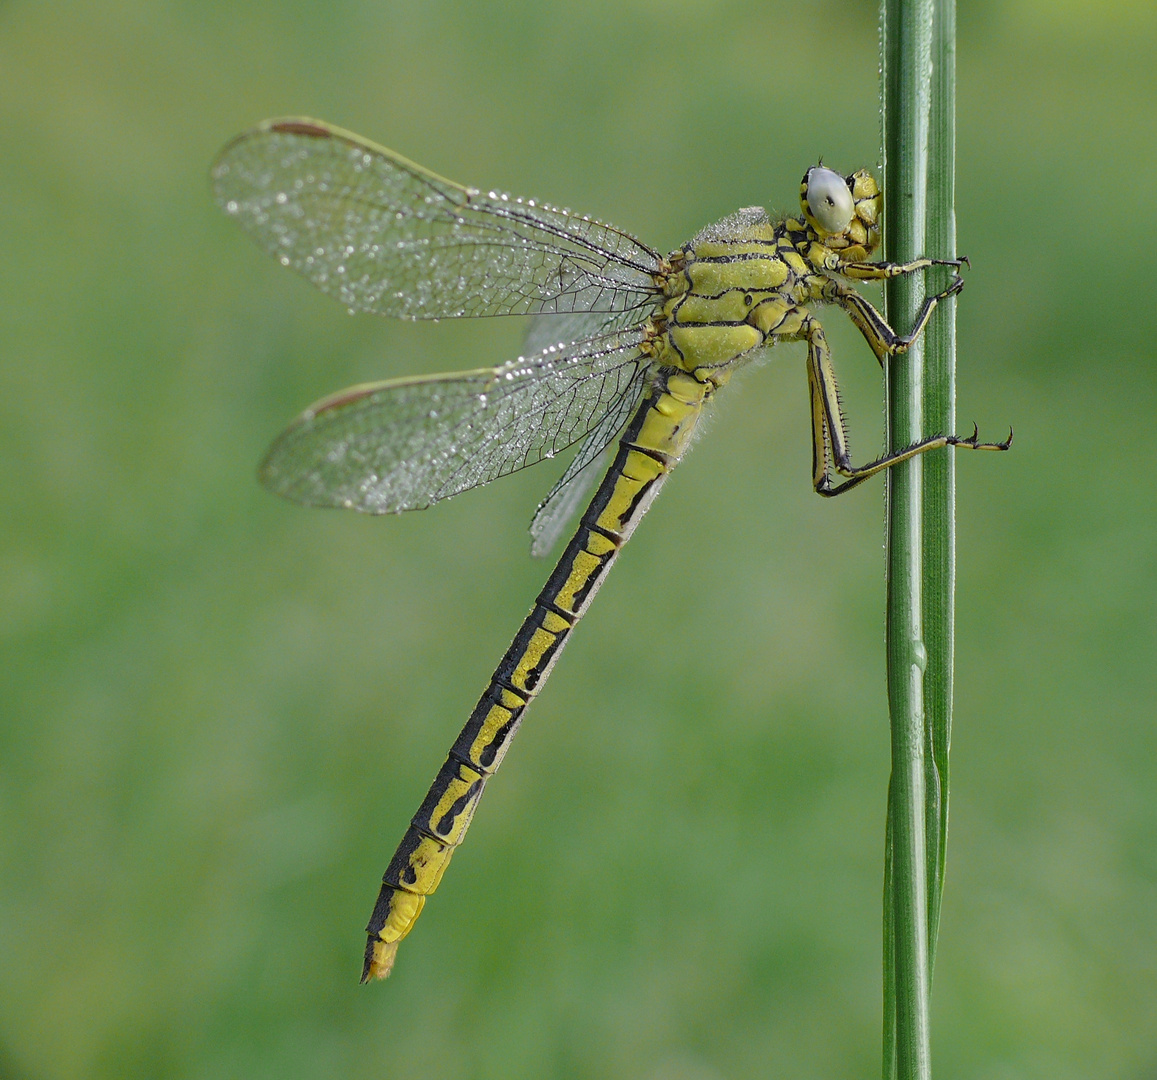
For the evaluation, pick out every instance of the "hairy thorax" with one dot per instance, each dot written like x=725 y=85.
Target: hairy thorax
x=733 y=290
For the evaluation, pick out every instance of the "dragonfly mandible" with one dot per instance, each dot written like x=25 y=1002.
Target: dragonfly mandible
x=639 y=345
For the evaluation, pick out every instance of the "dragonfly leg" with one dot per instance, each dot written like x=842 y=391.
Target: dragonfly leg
x=880 y=271
x=829 y=435
x=884 y=341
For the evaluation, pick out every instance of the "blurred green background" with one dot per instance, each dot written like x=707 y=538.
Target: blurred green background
x=220 y=710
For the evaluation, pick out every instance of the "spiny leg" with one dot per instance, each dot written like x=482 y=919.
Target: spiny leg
x=829 y=437
x=857 y=475
x=884 y=341
x=821 y=439
x=879 y=271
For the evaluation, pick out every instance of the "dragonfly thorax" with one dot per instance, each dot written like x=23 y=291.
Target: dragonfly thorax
x=737 y=287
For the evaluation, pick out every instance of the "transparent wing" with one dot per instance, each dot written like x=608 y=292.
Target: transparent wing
x=545 y=330
x=567 y=497
x=406 y=443
x=555 y=513
x=382 y=234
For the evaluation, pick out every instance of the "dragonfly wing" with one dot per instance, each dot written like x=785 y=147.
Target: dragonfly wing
x=566 y=498
x=382 y=234
x=545 y=330
x=404 y=444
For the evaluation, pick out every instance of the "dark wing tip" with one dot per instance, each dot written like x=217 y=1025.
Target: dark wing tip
x=299 y=127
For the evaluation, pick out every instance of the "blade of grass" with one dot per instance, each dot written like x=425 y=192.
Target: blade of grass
x=939 y=554
x=906 y=100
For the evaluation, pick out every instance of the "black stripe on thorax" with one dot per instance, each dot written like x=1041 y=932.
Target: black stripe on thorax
x=744 y=256
x=720 y=295
x=721 y=322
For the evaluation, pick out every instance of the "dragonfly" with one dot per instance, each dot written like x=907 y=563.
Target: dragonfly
x=629 y=348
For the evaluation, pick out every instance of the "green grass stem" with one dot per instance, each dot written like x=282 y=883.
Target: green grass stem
x=939 y=533
x=918 y=107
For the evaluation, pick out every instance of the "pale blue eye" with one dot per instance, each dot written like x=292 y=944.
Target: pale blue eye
x=829 y=199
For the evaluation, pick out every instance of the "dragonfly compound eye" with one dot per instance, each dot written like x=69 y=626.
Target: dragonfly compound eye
x=828 y=200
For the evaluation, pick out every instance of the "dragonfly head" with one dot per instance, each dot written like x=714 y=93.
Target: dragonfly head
x=843 y=210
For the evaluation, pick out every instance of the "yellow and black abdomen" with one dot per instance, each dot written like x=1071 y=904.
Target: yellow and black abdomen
x=651 y=445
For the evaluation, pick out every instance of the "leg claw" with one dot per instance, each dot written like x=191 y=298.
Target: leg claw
x=958 y=263
x=972 y=442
